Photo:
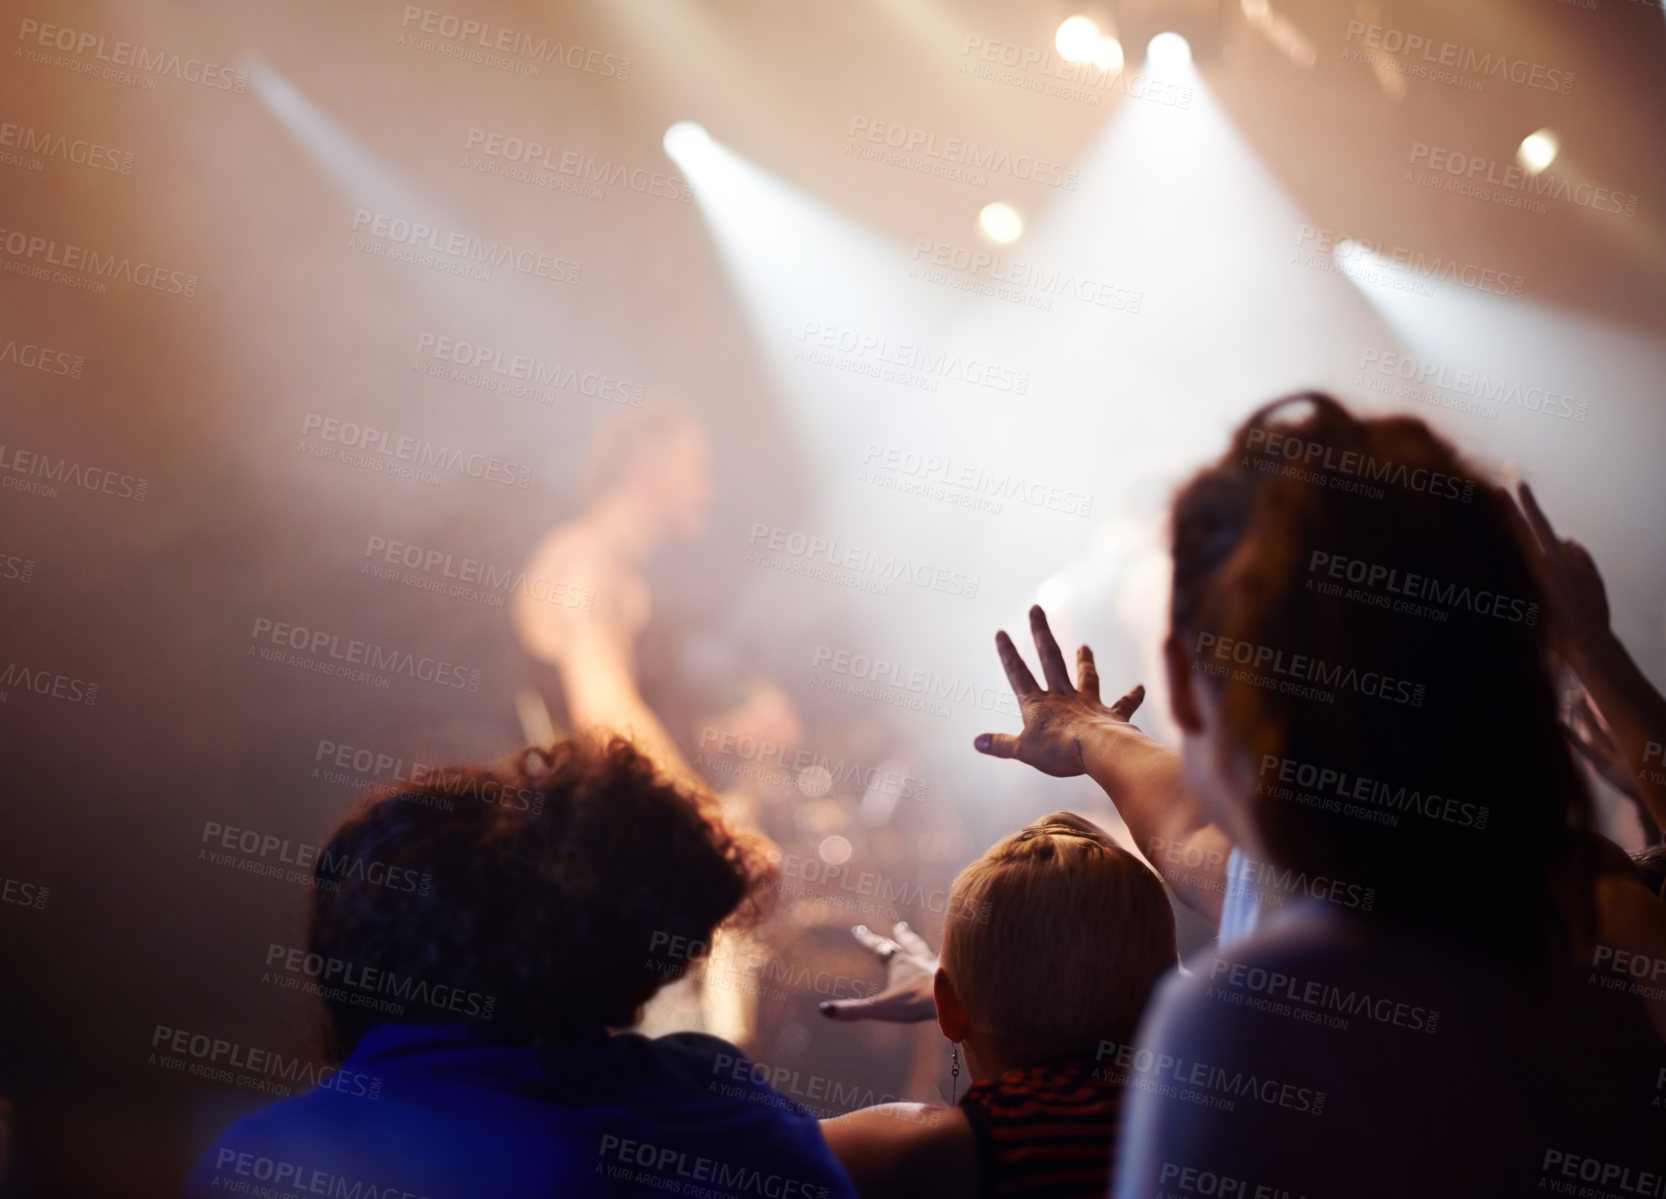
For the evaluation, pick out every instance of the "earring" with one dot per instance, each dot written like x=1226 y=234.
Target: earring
x=954 y=1072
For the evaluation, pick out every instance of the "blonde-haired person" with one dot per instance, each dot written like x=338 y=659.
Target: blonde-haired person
x=1053 y=942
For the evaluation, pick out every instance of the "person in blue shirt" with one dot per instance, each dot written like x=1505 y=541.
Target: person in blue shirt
x=479 y=938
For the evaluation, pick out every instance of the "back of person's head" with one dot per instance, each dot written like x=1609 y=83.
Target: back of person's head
x=547 y=899
x=1057 y=935
x=1365 y=560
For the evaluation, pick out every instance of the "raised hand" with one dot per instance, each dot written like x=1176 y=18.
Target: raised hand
x=1055 y=719
x=910 y=968
x=1572 y=584
x=1586 y=732
x=1625 y=720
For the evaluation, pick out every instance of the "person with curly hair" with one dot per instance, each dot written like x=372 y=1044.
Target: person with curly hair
x=482 y=938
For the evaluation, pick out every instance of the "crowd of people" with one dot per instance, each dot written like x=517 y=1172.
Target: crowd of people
x=1433 y=975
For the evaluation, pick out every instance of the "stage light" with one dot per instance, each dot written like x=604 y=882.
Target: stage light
x=1108 y=56
x=1538 y=150
x=686 y=138
x=1078 y=40
x=1001 y=222
x=1168 y=52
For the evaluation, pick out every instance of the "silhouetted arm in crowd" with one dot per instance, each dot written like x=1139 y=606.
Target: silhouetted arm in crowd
x=1068 y=731
x=1633 y=711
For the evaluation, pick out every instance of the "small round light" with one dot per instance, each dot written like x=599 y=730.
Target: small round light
x=834 y=850
x=685 y=137
x=1168 y=51
x=1001 y=222
x=1077 y=39
x=815 y=781
x=1538 y=150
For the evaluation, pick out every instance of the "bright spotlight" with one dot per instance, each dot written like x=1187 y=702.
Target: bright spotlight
x=1168 y=52
x=1538 y=150
x=1358 y=262
x=685 y=138
x=1077 y=39
x=1001 y=222
x=1107 y=56
x=1352 y=258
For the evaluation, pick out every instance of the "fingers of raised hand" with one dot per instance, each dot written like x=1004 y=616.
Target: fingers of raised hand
x=996 y=745
x=1125 y=707
x=911 y=941
x=1018 y=674
x=1047 y=646
x=881 y=947
x=899 y=1007
x=1536 y=519
x=1087 y=674
x=853 y=1009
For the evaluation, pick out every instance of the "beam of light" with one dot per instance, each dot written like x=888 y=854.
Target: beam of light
x=509 y=307
x=866 y=344
x=836 y=320
x=507 y=312
x=351 y=165
x=1174 y=207
x=801 y=271
x=1531 y=382
x=1502 y=376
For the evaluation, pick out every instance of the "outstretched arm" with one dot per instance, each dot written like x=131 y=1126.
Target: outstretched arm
x=1068 y=731
x=906 y=1149
x=600 y=689
x=592 y=650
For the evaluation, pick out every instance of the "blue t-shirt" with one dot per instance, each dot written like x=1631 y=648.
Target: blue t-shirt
x=443 y=1111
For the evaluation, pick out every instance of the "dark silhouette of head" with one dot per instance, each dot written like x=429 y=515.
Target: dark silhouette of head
x=558 y=893
x=1357 y=658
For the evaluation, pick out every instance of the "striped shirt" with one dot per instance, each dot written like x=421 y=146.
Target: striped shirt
x=1047 y=1130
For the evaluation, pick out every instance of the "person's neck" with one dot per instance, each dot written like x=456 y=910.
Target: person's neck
x=989 y=1056
x=627 y=525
